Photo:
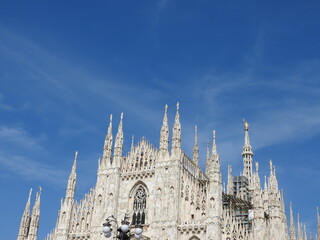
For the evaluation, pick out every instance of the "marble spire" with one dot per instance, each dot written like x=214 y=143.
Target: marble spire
x=164 y=132
x=195 y=146
x=118 y=146
x=247 y=154
x=107 y=148
x=176 y=135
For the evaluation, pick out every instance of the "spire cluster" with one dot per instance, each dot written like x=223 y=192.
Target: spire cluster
x=200 y=194
x=30 y=223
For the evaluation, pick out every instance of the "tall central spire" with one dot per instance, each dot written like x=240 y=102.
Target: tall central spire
x=176 y=135
x=195 y=146
x=164 y=132
x=247 y=154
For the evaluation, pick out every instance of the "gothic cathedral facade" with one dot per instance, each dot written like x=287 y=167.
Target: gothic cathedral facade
x=167 y=192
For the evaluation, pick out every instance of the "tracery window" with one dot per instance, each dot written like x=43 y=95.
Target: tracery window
x=139 y=207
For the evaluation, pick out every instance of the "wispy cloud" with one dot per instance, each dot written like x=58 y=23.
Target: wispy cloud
x=30 y=169
x=19 y=153
x=72 y=84
x=281 y=105
x=7 y=107
x=19 y=138
x=67 y=91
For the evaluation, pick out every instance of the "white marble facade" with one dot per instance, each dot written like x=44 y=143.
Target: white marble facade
x=168 y=193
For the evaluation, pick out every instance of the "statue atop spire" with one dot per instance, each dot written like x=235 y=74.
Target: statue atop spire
x=176 y=135
x=195 y=146
x=246 y=125
x=164 y=132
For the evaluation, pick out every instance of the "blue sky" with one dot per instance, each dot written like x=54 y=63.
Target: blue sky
x=66 y=65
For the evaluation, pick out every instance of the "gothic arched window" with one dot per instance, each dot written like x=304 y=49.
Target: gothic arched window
x=139 y=207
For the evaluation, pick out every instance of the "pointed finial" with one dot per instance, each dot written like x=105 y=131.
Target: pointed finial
x=214 y=145
x=118 y=146
x=318 y=214
x=132 y=142
x=208 y=152
x=30 y=193
x=257 y=167
x=195 y=134
x=110 y=125
x=176 y=135
x=164 y=132
x=74 y=162
x=40 y=190
x=271 y=167
x=265 y=182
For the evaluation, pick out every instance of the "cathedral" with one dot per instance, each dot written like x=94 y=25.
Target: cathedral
x=170 y=196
